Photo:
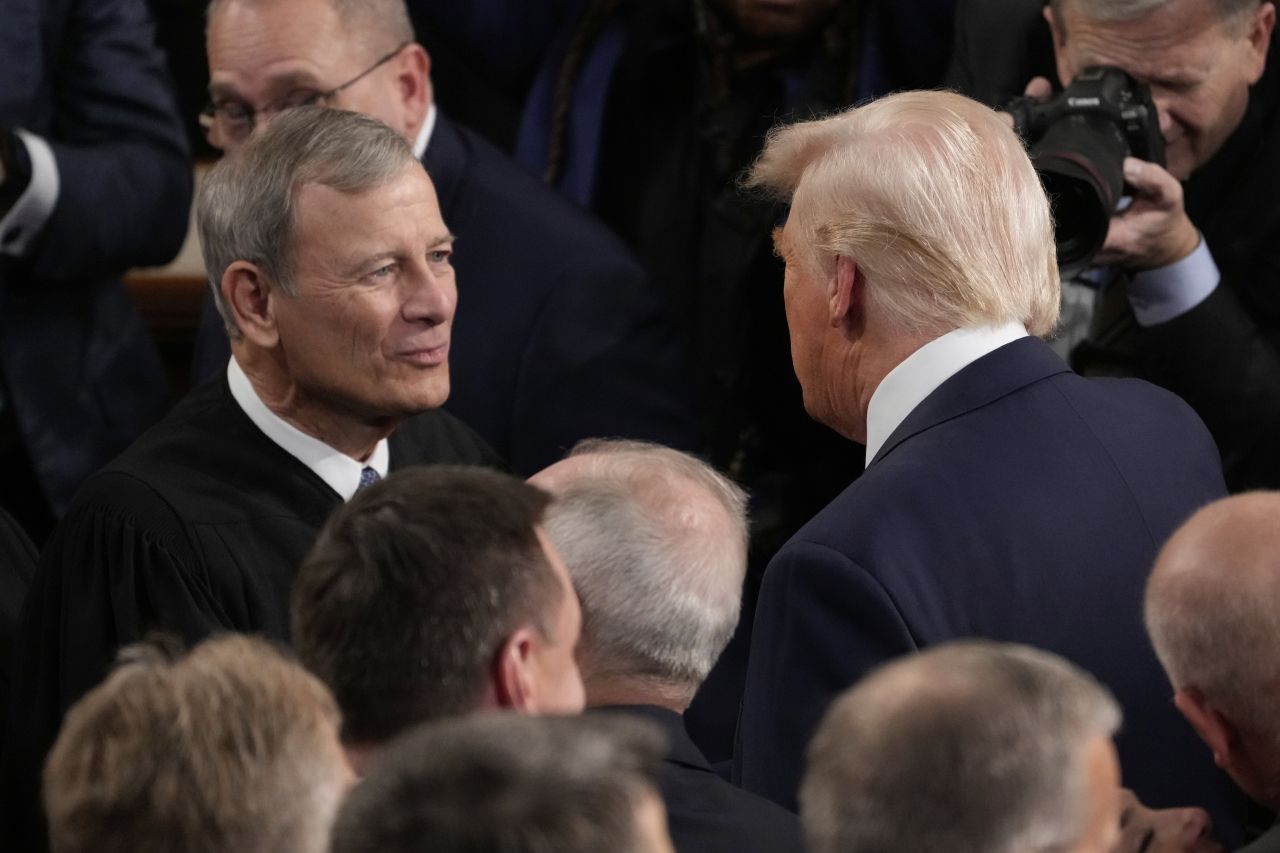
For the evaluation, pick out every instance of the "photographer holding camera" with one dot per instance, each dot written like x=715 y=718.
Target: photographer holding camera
x=1188 y=275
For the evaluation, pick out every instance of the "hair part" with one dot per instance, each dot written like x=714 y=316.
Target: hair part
x=968 y=747
x=245 y=208
x=501 y=783
x=656 y=543
x=142 y=763
x=412 y=589
x=934 y=197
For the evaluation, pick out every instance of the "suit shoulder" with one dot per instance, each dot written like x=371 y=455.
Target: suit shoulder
x=541 y=214
x=437 y=437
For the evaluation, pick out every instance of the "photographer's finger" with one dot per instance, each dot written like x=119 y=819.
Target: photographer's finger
x=1039 y=88
x=1152 y=182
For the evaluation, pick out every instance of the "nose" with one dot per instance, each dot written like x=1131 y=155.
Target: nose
x=430 y=295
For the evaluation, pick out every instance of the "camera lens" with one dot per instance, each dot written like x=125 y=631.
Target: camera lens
x=1081 y=165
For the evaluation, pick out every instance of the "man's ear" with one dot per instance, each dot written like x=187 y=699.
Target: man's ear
x=250 y=295
x=413 y=81
x=847 y=292
x=515 y=685
x=1066 y=71
x=1259 y=37
x=1216 y=730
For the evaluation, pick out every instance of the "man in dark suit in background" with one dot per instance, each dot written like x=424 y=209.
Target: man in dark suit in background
x=656 y=543
x=94 y=179
x=1188 y=296
x=559 y=334
x=1004 y=497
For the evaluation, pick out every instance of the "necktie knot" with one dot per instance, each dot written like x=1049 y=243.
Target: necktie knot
x=367 y=478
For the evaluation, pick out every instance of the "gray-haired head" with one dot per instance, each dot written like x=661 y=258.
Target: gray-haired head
x=245 y=206
x=381 y=24
x=1229 y=11
x=656 y=543
x=1211 y=611
x=499 y=783
x=969 y=747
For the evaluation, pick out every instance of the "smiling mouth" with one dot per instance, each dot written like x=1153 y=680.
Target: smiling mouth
x=426 y=356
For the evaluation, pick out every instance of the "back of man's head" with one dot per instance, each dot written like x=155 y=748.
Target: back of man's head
x=932 y=195
x=496 y=783
x=970 y=747
x=231 y=749
x=655 y=541
x=1213 y=613
x=422 y=592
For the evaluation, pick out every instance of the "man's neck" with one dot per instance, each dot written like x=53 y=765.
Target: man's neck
x=344 y=432
x=857 y=374
x=621 y=691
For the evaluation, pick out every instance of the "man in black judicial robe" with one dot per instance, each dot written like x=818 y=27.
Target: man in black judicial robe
x=341 y=324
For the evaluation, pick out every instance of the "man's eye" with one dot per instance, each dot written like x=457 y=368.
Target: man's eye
x=298 y=98
x=235 y=113
x=382 y=272
x=441 y=256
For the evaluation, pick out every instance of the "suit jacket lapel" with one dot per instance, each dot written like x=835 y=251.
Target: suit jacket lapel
x=1014 y=365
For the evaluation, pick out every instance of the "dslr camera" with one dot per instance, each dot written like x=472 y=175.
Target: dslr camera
x=1078 y=142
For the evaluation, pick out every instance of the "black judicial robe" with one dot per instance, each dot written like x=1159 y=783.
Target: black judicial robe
x=196 y=528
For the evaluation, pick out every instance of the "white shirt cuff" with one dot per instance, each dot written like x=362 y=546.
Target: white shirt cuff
x=1159 y=295
x=26 y=219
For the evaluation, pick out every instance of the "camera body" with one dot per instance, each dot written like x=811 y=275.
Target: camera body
x=1078 y=141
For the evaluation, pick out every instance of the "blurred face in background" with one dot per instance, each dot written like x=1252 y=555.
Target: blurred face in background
x=777 y=20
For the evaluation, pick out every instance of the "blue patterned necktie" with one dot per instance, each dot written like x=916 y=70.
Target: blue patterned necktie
x=367 y=478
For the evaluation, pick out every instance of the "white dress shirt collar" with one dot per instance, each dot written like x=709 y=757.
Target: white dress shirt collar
x=424 y=133
x=920 y=374
x=339 y=471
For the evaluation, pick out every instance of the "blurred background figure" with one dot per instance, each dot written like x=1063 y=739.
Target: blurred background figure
x=435 y=593
x=95 y=178
x=969 y=747
x=1212 y=613
x=656 y=543
x=228 y=749
x=497 y=783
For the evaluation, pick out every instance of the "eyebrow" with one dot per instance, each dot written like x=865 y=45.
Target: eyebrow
x=285 y=83
x=360 y=265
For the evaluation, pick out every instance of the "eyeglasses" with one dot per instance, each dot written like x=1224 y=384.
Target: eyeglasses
x=234 y=122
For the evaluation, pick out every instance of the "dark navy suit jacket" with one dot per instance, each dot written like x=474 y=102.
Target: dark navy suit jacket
x=1017 y=502
x=705 y=813
x=79 y=372
x=559 y=335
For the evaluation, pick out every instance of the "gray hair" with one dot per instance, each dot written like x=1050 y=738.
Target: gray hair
x=969 y=747
x=501 y=783
x=245 y=207
x=1230 y=12
x=1211 y=607
x=380 y=24
x=656 y=543
x=142 y=762
x=935 y=199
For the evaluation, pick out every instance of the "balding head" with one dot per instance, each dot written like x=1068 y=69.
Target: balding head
x=966 y=747
x=655 y=541
x=1213 y=613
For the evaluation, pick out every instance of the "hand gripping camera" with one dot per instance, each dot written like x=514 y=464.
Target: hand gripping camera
x=1078 y=142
